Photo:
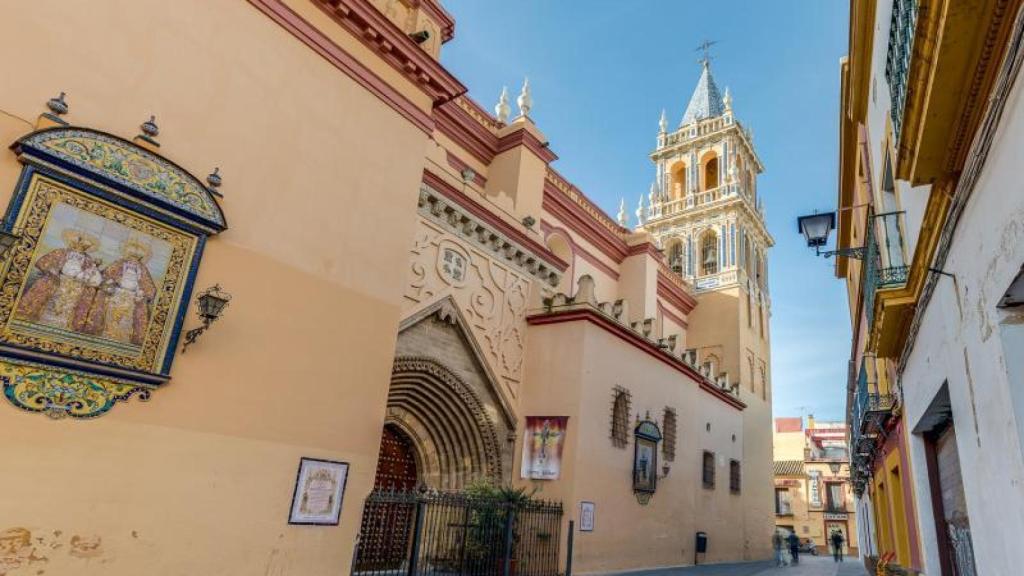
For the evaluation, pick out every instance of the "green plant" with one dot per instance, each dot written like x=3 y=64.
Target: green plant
x=492 y=515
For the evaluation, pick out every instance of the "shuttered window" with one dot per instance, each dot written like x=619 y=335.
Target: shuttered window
x=734 y=476
x=709 y=469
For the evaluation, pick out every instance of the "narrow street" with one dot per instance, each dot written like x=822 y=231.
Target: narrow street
x=808 y=566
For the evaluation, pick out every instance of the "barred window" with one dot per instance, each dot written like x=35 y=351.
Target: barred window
x=620 y=417
x=734 y=476
x=897 y=60
x=709 y=469
x=668 y=435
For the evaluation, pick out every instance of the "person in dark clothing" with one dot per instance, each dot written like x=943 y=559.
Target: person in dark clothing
x=794 y=547
x=837 y=545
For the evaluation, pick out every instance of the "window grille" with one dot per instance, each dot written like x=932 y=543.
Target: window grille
x=734 y=476
x=709 y=469
x=620 y=417
x=897 y=61
x=668 y=438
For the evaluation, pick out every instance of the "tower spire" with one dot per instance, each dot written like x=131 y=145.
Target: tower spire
x=706 y=101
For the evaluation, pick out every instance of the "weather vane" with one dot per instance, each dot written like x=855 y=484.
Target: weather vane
x=705 y=47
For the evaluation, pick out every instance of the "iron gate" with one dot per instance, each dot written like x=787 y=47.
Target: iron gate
x=417 y=533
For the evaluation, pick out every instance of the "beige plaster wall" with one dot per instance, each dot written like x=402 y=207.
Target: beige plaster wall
x=574 y=367
x=719 y=325
x=320 y=182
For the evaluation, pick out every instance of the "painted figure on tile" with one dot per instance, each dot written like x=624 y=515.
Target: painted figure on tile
x=64 y=283
x=121 y=308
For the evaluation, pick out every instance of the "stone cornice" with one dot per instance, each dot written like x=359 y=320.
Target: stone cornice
x=455 y=121
x=469 y=126
x=458 y=213
x=441 y=16
x=583 y=217
x=338 y=57
x=394 y=46
x=523 y=137
x=586 y=313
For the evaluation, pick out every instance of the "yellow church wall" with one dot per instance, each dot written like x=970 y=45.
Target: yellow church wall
x=574 y=366
x=714 y=326
x=320 y=184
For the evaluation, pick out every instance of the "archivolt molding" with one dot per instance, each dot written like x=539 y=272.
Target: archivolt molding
x=450 y=413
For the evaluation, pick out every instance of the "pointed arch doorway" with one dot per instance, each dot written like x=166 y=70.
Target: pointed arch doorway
x=396 y=462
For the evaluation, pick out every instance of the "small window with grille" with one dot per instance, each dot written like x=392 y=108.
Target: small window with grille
x=734 y=476
x=708 y=471
x=620 y=417
x=668 y=438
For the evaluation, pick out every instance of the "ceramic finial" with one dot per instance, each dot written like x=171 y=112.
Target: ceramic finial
x=623 y=219
x=525 y=99
x=502 y=108
x=663 y=123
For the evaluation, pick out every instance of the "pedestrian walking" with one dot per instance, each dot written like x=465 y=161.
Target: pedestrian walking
x=837 y=545
x=777 y=544
x=794 y=547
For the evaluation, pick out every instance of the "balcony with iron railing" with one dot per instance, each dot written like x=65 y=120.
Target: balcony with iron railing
x=872 y=409
x=884 y=262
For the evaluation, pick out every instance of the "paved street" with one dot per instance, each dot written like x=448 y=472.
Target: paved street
x=809 y=566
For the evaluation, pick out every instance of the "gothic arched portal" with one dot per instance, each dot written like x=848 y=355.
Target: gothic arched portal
x=444 y=398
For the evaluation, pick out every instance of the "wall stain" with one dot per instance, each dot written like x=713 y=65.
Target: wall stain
x=21 y=549
x=277 y=563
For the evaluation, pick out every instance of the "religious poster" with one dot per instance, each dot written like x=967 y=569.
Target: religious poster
x=587 y=516
x=319 y=488
x=543 y=441
x=645 y=457
x=93 y=280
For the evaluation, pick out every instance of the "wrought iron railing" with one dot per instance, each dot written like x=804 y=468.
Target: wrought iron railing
x=869 y=403
x=412 y=533
x=884 y=263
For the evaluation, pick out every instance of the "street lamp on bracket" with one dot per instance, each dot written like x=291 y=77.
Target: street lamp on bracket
x=816 y=229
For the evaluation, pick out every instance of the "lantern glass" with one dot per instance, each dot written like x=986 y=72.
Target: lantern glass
x=816 y=228
x=212 y=303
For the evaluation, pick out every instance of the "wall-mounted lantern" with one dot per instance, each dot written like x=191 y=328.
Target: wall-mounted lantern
x=835 y=467
x=209 y=305
x=816 y=229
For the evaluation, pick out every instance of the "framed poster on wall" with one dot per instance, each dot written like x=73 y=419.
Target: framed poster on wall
x=319 y=489
x=586 y=516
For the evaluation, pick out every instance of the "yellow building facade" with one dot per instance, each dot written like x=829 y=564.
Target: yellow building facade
x=813 y=493
x=417 y=298
x=924 y=87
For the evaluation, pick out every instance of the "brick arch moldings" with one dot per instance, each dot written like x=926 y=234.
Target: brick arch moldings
x=447 y=399
x=457 y=442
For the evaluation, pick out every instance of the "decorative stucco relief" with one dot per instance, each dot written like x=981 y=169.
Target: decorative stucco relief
x=492 y=296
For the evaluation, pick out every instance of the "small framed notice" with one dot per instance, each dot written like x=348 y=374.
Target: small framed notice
x=319 y=489
x=586 y=516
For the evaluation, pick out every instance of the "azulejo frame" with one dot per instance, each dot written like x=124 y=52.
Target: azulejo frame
x=646 y=436
x=93 y=294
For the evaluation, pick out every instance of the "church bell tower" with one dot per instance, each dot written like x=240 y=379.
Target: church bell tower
x=705 y=211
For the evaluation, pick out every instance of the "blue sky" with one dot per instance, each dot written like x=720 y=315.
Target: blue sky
x=602 y=70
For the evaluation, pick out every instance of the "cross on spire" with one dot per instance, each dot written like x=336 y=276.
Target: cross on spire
x=705 y=47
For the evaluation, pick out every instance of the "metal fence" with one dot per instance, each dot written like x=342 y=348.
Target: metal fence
x=415 y=533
